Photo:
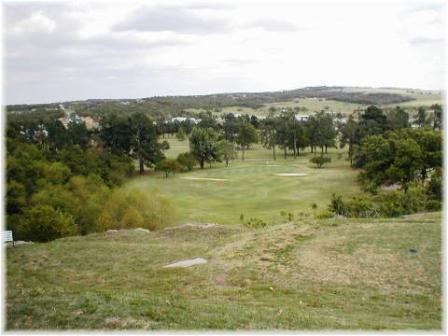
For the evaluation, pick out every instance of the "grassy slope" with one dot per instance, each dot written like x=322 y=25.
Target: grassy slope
x=423 y=98
x=332 y=274
x=252 y=188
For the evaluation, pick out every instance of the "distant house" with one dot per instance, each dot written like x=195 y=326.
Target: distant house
x=90 y=122
x=341 y=120
x=183 y=119
x=74 y=118
x=302 y=117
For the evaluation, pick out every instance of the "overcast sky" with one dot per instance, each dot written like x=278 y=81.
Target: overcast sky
x=59 y=51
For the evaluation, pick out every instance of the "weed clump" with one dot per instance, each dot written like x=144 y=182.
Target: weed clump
x=255 y=223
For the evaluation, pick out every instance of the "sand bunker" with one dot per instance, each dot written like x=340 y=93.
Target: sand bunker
x=291 y=174
x=203 y=178
x=187 y=263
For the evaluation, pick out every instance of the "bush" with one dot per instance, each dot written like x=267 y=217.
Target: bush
x=168 y=167
x=337 y=205
x=43 y=223
x=255 y=223
x=187 y=161
x=433 y=205
x=391 y=204
x=319 y=161
x=134 y=209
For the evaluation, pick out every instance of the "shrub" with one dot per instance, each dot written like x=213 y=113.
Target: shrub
x=391 y=204
x=337 y=205
x=255 y=223
x=319 y=161
x=361 y=207
x=433 y=205
x=44 y=223
x=187 y=161
x=168 y=167
x=134 y=209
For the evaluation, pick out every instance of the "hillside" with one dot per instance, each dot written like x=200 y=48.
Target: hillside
x=328 y=274
x=252 y=100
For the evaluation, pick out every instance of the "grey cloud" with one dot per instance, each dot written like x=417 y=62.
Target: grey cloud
x=42 y=54
x=179 y=20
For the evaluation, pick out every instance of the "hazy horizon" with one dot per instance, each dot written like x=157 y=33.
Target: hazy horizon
x=66 y=51
x=227 y=92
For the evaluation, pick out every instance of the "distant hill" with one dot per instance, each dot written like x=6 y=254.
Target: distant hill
x=163 y=105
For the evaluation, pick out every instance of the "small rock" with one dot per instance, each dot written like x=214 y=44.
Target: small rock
x=111 y=231
x=413 y=250
x=187 y=263
x=142 y=230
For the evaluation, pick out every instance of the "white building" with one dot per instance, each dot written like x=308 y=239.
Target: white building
x=302 y=117
x=183 y=119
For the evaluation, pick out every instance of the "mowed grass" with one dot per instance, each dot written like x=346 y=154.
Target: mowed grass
x=335 y=274
x=251 y=187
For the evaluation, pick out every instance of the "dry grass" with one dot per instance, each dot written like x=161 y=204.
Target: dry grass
x=304 y=275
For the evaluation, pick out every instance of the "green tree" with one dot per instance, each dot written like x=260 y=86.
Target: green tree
x=203 y=145
x=227 y=150
x=78 y=134
x=321 y=130
x=144 y=145
x=247 y=134
x=430 y=143
x=421 y=116
x=301 y=138
x=58 y=136
x=269 y=138
x=398 y=118
x=230 y=127
x=116 y=133
x=377 y=154
x=437 y=117
x=320 y=160
x=395 y=157
x=181 y=134
x=372 y=121
x=407 y=163
x=348 y=137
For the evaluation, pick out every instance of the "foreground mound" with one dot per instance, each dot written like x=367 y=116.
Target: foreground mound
x=332 y=274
